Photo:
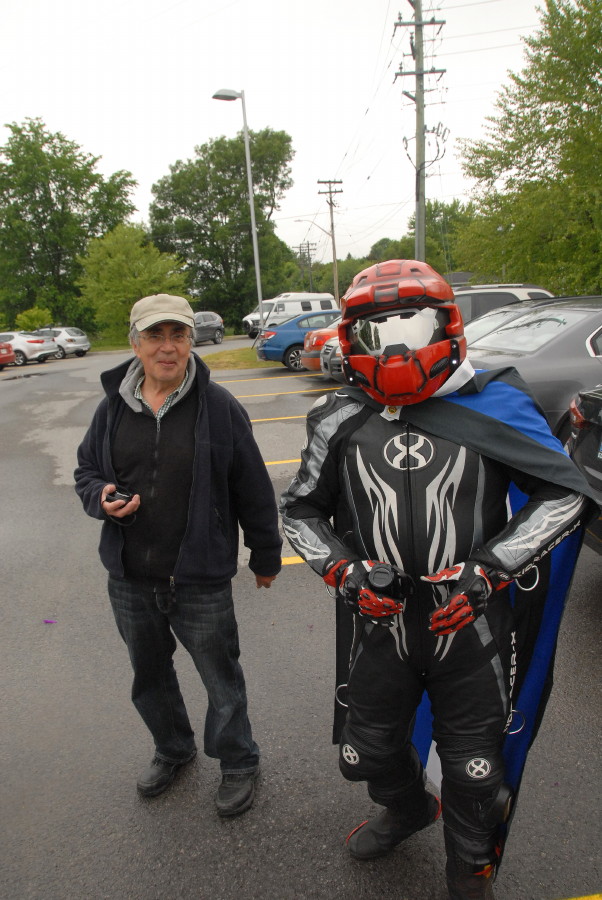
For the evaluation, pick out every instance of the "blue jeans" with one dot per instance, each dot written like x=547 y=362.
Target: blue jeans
x=204 y=623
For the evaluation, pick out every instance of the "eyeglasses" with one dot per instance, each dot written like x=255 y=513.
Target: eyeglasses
x=156 y=338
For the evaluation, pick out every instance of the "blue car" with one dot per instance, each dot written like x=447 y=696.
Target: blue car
x=284 y=343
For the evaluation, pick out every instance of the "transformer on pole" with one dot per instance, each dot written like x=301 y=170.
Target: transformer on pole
x=417 y=45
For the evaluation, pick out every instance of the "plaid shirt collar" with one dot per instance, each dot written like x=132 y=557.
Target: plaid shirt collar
x=167 y=403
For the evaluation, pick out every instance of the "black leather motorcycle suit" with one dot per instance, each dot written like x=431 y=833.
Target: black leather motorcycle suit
x=371 y=486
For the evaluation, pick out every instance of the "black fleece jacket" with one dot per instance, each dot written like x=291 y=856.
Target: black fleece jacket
x=230 y=486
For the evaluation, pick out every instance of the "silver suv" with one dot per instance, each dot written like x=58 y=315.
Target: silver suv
x=476 y=299
x=29 y=346
x=68 y=341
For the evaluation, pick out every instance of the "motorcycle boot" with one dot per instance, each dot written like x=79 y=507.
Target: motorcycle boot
x=466 y=881
x=376 y=837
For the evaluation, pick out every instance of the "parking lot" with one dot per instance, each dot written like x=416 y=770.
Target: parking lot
x=72 y=745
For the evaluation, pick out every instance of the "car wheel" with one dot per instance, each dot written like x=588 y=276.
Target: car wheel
x=218 y=336
x=253 y=334
x=60 y=353
x=292 y=358
x=80 y=352
x=20 y=358
x=1 y=368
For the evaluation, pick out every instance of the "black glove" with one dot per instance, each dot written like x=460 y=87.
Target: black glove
x=471 y=588
x=375 y=590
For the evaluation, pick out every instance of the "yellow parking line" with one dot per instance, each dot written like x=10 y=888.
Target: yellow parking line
x=274 y=378
x=281 y=462
x=291 y=560
x=280 y=393
x=278 y=419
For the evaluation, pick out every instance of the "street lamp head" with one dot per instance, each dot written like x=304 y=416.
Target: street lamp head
x=225 y=94
x=309 y=222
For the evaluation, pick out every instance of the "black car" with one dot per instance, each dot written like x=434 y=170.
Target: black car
x=208 y=326
x=556 y=347
x=585 y=447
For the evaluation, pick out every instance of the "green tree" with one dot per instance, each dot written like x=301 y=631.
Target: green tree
x=539 y=171
x=120 y=268
x=444 y=221
x=201 y=213
x=347 y=269
x=385 y=248
x=51 y=202
x=30 y=319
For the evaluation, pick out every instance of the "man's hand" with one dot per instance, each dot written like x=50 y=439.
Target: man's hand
x=375 y=590
x=264 y=581
x=471 y=589
x=118 y=509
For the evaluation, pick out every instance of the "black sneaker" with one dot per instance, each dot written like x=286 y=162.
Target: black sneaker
x=159 y=775
x=378 y=836
x=236 y=793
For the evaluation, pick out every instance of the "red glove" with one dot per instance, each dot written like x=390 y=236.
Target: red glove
x=375 y=590
x=472 y=587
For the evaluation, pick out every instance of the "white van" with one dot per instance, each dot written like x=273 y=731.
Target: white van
x=285 y=306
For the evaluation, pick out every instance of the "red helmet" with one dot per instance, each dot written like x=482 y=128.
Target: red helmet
x=401 y=334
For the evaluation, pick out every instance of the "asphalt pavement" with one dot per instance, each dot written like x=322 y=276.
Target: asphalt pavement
x=72 y=746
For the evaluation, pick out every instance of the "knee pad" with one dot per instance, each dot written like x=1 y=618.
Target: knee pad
x=474 y=796
x=366 y=755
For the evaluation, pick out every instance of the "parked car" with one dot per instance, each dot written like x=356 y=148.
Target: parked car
x=476 y=299
x=556 y=347
x=330 y=360
x=284 y=307
x=69 y=340
x=284 y=343
x=208 y=326
x=482 y=325
x=585 y=447
x=7 y=355
x=313 y=343
x=28 y=346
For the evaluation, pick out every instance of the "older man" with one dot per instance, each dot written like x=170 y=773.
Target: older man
x=171 y=467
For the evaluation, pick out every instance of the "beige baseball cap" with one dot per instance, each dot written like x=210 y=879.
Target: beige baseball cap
x=161 y=308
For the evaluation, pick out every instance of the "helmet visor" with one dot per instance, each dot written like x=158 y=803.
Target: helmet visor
x=397 y=333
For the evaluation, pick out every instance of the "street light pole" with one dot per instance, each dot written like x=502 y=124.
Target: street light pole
x=225 y=94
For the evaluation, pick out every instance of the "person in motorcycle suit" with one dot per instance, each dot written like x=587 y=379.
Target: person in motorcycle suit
x=422 y=551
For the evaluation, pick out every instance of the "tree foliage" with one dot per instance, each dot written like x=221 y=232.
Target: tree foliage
x=201 y=213
x=30 y=319
x=52 y=200
x=120 y=268
x=539 y=172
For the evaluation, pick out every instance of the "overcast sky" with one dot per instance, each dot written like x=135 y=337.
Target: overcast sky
x=132 y=81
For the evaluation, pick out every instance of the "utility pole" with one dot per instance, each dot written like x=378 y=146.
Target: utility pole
x=304 y=252
x=417 y=46
x=306 y=249
x=330 y=201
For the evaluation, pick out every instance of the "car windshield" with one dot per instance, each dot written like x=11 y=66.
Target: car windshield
x=482 y=325
x=531 y=331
